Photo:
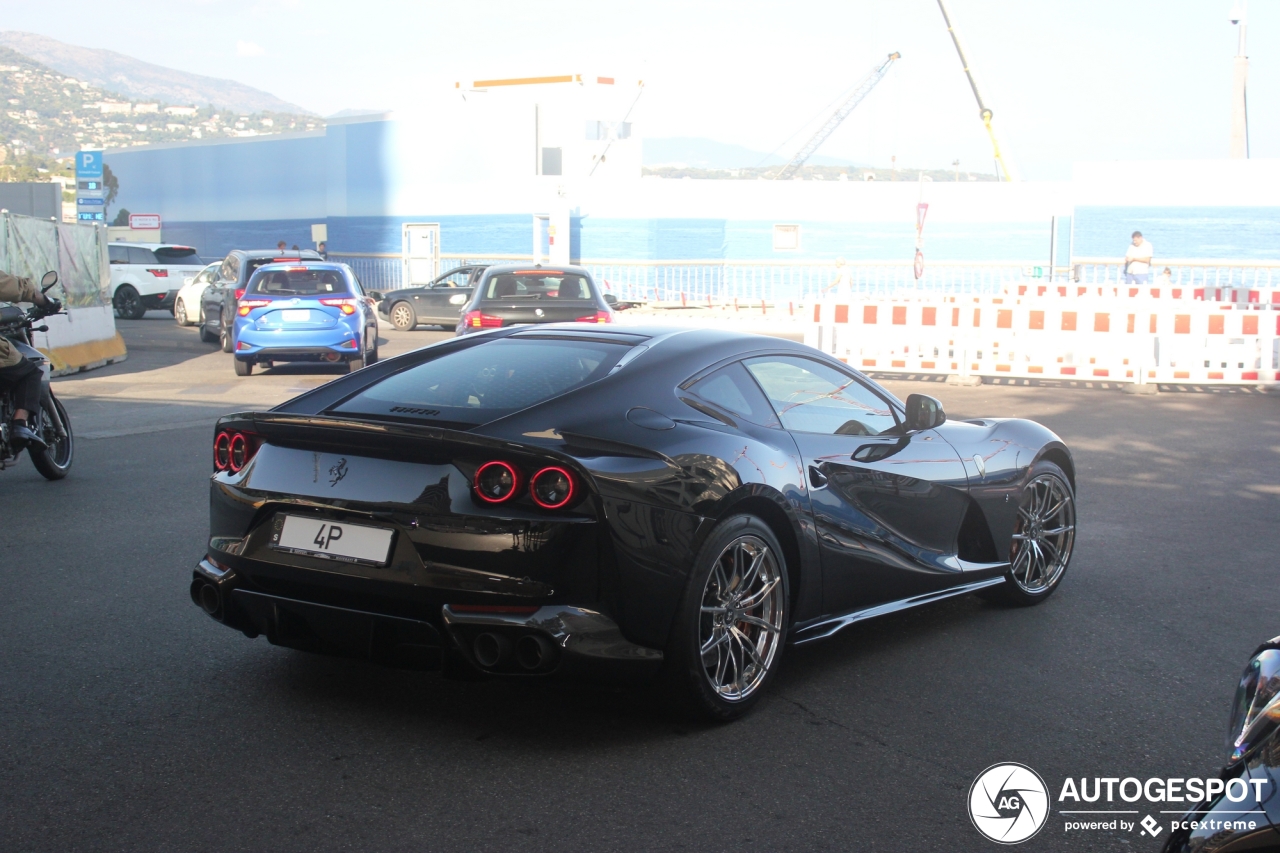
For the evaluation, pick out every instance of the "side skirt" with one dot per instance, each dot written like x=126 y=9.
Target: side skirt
x=826 y=627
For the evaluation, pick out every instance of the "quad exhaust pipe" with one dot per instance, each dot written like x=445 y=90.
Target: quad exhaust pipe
x=207 y=596
x=529 y=653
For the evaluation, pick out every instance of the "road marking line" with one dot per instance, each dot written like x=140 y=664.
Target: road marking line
x=94 y=435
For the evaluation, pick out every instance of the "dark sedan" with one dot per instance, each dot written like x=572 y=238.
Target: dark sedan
x=573 y=498
x=515 y=295
x=219 y=300
x=439 y=303
x=1242 y=810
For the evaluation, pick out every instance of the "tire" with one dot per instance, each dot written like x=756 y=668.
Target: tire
x=207 y=336
x=224 y=339
x=54 y=462
x=243 y=368
x=354 y=364
x=403 y=317
x=127 y=303
x=1044 y=537
x=371 y=351
x=180 y=313
x=715 y=684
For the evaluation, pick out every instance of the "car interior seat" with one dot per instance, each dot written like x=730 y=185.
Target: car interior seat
x=571 y=288
x=504 y=286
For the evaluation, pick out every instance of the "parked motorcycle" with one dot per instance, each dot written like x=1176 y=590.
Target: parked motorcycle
x=51 y=422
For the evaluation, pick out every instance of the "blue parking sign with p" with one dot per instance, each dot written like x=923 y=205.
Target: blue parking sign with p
x=89 y=164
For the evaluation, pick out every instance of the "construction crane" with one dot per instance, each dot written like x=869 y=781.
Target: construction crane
x=841 y=113
x=984 y=112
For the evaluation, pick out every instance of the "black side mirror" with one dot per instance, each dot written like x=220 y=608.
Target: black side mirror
x=924 y=412
x=611 y=299
x=48 y=280
x=376 y=296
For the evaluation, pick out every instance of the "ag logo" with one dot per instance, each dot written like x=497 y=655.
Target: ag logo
x=1008 y=803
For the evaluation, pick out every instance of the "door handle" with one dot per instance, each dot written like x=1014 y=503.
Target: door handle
x=817 y=479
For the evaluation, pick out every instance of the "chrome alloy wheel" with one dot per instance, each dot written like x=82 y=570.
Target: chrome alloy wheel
x=402 y=317
x=741 y=619
x=1043 y=534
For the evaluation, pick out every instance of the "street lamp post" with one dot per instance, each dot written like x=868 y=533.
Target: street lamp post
x=1239 y=88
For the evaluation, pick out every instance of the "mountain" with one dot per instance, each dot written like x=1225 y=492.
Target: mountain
x=702 y=153
x=134 y=78
x=49 y=114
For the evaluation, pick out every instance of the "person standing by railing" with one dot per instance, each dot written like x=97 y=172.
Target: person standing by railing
x=1137 y=261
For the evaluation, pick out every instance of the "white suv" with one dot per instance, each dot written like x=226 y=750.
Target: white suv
x=145 y=276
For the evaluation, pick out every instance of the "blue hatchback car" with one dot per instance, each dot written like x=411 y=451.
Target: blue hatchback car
x=309 y=311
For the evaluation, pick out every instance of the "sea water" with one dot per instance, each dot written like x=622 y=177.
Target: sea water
x=1219 y=233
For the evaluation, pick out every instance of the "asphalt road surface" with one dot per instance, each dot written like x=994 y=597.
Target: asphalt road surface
x=131 y=721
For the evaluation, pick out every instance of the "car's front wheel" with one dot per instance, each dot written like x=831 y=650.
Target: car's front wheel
x=180 y=313
x=127 y=303
x=1044 y=535
x=403 y=317
x=730 y=632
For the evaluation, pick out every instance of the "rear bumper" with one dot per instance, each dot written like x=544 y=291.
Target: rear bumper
x=255 y=344
x=581 y=642
x=162 y=300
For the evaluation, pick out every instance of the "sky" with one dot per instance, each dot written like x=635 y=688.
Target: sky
x=1068 y=80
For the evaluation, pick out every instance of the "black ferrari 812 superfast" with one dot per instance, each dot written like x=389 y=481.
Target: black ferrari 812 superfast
x=620 y=502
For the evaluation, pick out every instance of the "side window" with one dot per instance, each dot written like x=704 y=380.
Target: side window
x=139 y=255
x=456 y=279
x=811 y=397
x=732 y=389
x=118 y=254
x=358 y=290
x=230 y=269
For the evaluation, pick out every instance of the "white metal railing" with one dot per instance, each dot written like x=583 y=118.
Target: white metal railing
x=693 y=282
x=781 y=282
x=1184 y=273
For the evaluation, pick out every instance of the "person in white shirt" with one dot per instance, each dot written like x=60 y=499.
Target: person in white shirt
x=1137 y=261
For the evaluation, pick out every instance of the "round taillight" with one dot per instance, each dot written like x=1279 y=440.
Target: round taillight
x=496 y=482
x=552 y=488
x=222 y=451
x=239 y=451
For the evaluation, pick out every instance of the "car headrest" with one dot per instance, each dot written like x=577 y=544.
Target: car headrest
x=504 y=286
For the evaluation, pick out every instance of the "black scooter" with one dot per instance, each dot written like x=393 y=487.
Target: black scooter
x=51 y=422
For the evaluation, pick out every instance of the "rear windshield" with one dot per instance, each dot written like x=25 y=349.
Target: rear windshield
x=173 y=256
x=299 y=281
x=252 y=264
x=481 y=383
x=537 y=285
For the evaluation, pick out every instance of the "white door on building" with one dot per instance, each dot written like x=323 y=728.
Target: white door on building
x=420 y=250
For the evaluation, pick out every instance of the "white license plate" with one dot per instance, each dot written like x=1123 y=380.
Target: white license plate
x=336 y=541
x=296 y=315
